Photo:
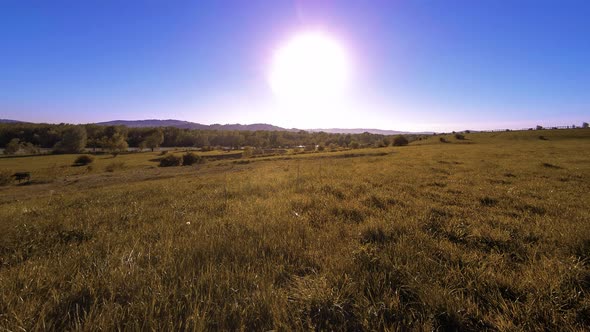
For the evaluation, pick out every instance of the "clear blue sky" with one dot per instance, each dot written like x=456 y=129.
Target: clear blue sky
x=417 y=65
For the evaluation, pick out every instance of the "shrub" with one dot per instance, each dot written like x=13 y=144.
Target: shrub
x=190 y=158
x=443 y=140
x=543 y=138
x=400 y=140
x=83 y=160
x=170 y=160
x=459 y=136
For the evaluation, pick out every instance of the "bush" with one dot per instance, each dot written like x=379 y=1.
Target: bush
x=400 y=140
x=83 y=160
x=443 y=140
x=170 y=160
x=459 y=136
x=190 y=158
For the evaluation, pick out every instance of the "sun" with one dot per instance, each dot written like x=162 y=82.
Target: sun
x=311 y=66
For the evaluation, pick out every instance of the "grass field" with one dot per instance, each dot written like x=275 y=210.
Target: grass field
x=487 y=233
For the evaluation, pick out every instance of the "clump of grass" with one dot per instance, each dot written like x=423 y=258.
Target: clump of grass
x=374 y=234
x=488 y=201
x=532 y=209
x=5 y=177
x=114 y=166
x=548 y=165
x=543 y=138
x=459 y=136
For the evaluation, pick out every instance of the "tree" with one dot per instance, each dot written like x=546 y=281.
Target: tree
x=30 y=148
x=116 y=144
x=585 y=125
x=73 y=140
x=12 y=147
x=539 y=127
x=155 y=139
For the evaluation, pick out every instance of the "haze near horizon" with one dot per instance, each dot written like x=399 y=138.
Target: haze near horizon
x=411 y=66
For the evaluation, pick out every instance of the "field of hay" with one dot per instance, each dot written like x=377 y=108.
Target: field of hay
x=491 y=232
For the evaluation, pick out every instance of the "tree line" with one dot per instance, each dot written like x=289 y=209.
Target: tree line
x=67 y=138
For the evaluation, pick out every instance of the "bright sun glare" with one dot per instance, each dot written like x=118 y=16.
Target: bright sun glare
x=311 y=66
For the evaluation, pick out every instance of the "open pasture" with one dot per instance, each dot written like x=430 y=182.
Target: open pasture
x=487 y=233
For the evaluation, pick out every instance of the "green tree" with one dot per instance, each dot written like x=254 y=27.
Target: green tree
x=116 y=144
x=12 y=147
x=30 y=148
x=73 y=140
x=585 y=125
x=155 y=139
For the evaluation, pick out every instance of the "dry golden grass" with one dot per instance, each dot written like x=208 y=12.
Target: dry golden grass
x=488 y=233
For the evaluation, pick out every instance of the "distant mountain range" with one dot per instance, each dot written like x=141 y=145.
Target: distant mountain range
x=363 y=130
x=250 y=127
x=10 y=121
x=191 y=125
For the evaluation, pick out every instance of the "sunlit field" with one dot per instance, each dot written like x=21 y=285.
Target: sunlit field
x=487 y=233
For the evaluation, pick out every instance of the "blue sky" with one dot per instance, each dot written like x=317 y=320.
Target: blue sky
x=416 y=65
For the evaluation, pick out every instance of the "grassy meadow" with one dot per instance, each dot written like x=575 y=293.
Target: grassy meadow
x=487 y=233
